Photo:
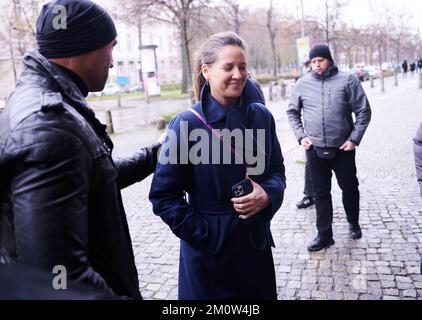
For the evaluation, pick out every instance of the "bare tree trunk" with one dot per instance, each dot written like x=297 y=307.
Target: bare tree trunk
x=327 y=24
x=349 y=58
x=272 y=39
x=186 y=67
x=334 y=51
x=236 y=19
x=365 y=53
x=12 y=55
x=398 y=54
x=141 y=75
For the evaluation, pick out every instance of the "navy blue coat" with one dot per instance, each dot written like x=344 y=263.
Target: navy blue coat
x=221 y=256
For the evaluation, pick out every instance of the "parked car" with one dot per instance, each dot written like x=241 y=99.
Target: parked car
x=359 y=72
x=110 y=89
x=94 y=94
x=135 y=88
x=372 y=71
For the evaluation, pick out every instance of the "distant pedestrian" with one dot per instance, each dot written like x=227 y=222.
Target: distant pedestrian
x=420 y=65
x=405 y=68
x=412 y=69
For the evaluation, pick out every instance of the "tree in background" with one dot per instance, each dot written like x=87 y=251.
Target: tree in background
x=329 y=18
x=272 y=32
x=136 y=13
x=18 y=28
x=181 y=13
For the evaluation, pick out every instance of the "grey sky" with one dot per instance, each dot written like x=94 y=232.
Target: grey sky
x=358 y=12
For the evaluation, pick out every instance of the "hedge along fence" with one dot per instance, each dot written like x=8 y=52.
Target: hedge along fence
x=265 y=79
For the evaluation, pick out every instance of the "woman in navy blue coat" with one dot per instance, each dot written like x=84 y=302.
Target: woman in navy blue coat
x=225 y=250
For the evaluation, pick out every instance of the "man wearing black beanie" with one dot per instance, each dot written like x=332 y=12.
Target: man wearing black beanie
x=60 y=202
x=328 y=97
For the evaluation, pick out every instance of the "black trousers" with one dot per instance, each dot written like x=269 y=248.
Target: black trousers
x=308 y=189
x=344 y=167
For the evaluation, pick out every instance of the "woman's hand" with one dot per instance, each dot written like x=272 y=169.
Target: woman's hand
x=252 y=203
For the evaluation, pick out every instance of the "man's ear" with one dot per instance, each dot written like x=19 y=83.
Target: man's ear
x=205 y=71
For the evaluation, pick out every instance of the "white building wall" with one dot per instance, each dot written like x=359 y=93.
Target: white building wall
x=127 y=56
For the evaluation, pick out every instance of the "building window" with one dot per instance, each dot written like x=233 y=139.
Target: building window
x=132 y=69
x=129 y=41
x=120 y=71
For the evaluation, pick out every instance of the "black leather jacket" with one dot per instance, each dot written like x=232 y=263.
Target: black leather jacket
x=60 y=201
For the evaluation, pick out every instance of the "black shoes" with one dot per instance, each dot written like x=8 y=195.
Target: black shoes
x=320 y=243
x=355 y=232
x=305 y=202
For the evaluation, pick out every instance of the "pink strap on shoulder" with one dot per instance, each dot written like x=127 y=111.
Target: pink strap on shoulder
x=200 y=117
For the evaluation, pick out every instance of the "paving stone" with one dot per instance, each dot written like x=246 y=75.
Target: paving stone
x=390 y=292
x=409 y=293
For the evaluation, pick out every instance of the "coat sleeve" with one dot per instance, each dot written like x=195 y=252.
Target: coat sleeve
x=275 y=184
x=294 y=114
x=417 y=149
x=50 y=190
x=167 y=194
x=138 y=167
x=360 y=107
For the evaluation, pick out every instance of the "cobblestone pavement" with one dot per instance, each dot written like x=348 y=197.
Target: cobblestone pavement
x=384 y=264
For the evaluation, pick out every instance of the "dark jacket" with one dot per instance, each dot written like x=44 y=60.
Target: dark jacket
x=60 y=201
x=222 y=256
x=412 y=67
x=327 y=102
x=417 y=149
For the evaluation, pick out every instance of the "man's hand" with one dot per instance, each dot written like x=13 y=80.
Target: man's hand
x=306 y=143
x=252 y=203
x=348 y=146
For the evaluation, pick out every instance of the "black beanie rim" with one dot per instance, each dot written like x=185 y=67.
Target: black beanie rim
x=88 y=27
x=320 y=50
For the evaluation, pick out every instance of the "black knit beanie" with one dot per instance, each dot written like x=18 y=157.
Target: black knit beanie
x=320 y=50
x=88 y=27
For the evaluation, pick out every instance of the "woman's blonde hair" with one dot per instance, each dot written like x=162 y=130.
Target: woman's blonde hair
x=207 y=55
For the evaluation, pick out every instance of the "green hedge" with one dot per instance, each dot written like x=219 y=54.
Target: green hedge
x=171 y=87
x=265 y=79
x=168 y=116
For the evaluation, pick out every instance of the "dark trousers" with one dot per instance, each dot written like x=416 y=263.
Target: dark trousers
x=344 y=167
x=308 y=189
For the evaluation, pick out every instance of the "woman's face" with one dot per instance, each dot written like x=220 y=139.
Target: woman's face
x=227 y=75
